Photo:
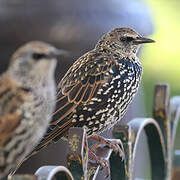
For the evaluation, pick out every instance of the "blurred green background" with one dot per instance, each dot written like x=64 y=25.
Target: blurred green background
x=161 y=60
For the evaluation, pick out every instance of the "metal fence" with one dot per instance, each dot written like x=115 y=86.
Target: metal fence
x=160 y=134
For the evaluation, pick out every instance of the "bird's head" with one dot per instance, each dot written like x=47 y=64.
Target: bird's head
x=35 y=60
x=124 y=39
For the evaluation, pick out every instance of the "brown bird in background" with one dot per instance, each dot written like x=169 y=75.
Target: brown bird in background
x=27 y=100
x=98 y=88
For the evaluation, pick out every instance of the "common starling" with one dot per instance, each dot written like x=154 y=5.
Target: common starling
x=27 y=100
x=98 y=88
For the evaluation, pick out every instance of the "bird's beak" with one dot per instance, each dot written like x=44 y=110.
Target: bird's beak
x=59 y=52
x=141 y=40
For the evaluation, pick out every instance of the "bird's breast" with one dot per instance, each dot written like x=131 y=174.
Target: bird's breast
x=112 y=99
x=124 y=84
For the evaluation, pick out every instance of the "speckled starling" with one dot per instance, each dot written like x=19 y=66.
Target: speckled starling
x=98 y=88
x=27 y=100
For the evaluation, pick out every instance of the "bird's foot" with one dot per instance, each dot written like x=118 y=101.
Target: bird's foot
x=115 y=144
x=100 y=161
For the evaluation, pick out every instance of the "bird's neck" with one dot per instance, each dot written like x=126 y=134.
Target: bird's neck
x=114 y=49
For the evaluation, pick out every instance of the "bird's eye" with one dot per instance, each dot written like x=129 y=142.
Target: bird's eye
x=122 y=39
x=38 y=56
x=127 y=39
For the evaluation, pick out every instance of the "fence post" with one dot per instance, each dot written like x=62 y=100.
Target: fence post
x=161 y=114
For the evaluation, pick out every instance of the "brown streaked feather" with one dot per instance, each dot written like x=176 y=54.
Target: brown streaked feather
x=67 y=110
x=91 y=72
x=80 y=84
x=74 y=92
x=11 y=99
x=75 y=89
x=64 y=108
x=58 y=131
x=67 y=90
x=87 y=94
x=80 y=95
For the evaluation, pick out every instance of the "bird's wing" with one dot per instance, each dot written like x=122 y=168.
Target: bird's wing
x=79 y=85
x=11 y=98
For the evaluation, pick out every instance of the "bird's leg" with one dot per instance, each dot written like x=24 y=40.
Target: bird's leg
x=101 y=161
x=115 y=144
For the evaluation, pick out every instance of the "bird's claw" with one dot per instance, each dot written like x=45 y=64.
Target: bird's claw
x=100 y=161
x=115 y=144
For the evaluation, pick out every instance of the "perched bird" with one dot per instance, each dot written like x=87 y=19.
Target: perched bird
x=98 y=88
x=27 y=100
